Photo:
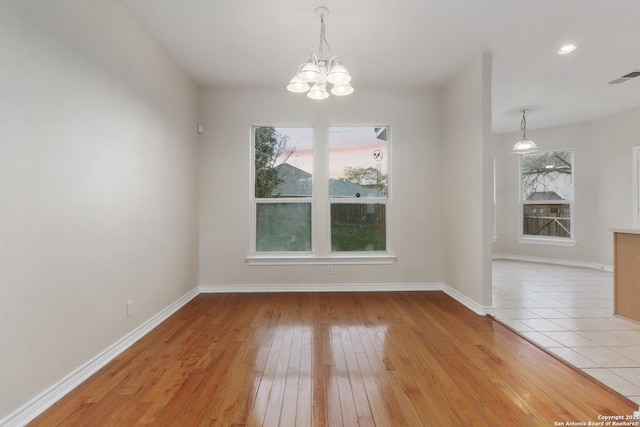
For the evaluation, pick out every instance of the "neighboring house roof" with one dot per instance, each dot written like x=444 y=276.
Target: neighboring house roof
x=298 y=183
x=340 y=188
x=545 y=195
x=295 y=182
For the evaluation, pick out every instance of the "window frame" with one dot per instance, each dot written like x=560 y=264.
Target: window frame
x=320 y=206
x=547 y=240
x=255 y=201
x=363 y=200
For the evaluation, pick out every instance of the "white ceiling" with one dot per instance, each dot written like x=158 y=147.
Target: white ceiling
x=417 y=43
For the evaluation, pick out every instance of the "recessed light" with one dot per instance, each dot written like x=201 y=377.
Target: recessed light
x=567 y=48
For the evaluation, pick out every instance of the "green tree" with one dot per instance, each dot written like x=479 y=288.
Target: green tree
x=270 y=151
x=367 y=177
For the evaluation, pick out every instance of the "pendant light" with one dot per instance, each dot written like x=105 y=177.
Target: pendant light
x=524 y=146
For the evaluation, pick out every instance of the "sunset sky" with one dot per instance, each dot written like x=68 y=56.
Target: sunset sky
x=348 y=146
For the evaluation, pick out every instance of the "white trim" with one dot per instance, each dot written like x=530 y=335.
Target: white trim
x=309 y=259
x=546 y=240
x=626 y=230
x=327 y=287
x=556 y=241
x=320 y=198
x=44 y=400
x=358 y=287
x=467 y=302
x=47 y=398
x=555 y=261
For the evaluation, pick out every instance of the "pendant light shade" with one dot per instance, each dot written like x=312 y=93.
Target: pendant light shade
x=342 y=89
x=297 y=85
x=318 y=91
x=525 y=145
x=338 y=75
x=310 y=72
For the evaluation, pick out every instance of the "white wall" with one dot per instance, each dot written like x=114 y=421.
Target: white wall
x=467 y=181
x=98 y=186
x=225 y=214
x=602 y=186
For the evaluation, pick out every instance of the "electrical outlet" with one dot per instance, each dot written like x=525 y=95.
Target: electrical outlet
x=129 y=308
x=330 y=269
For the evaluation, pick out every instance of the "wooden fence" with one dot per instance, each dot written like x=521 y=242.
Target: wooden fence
x=556 y=225
x=372 y=215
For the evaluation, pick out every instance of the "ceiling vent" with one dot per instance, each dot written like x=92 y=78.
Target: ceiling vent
x=625 y=78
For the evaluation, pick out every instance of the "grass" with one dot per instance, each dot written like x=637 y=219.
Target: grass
x=346 y=238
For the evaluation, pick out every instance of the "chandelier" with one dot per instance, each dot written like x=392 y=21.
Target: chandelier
x=524 y=146
x=321 y=69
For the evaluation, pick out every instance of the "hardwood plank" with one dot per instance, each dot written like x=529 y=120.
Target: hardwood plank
x=333 y=359
x=346 y=399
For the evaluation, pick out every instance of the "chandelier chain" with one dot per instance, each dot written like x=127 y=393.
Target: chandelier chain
x=323 y=38
x=523 y=125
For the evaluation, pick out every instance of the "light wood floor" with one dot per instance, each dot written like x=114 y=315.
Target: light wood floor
x=339 y=359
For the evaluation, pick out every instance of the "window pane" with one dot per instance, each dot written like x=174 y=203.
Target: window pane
x=358 y=227
x=547 y=193
x=283 y=162
x=546 y=220
x=283 y=227
x=358 y=161
x=547 y=176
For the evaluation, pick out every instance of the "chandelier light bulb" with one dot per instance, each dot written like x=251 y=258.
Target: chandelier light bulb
x=310 y=72
x=297 y=85
x=338 y=74
x=318 y=91
x=342 y=89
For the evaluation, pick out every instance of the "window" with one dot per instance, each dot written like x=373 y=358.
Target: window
x=358 y=188
x=335 y=213
x=283 y=189
x=546 y=189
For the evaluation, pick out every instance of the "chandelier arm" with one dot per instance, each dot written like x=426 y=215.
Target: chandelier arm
x=335 y=59
x=313 y=58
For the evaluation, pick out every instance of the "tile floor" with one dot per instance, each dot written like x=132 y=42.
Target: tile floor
x=569 y=311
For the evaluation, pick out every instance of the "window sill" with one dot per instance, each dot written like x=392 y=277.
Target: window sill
x=552 y=241
x=308 y=259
